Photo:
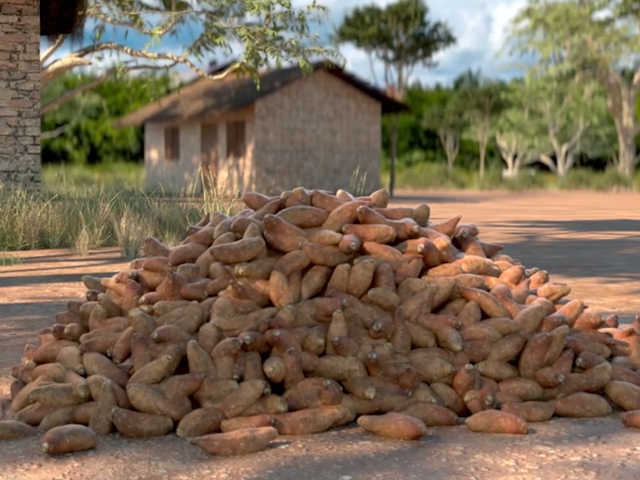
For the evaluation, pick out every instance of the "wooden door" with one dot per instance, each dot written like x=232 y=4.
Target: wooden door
x=209 y=153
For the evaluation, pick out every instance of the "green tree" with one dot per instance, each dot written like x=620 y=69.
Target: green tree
x=484 y=101
x=401 y=37
x=593 y=38
x=266 y=30
x=448 y=120
x=519 y=132
x=568 y=108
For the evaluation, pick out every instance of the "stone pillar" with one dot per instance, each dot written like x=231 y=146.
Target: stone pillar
x=20 y=93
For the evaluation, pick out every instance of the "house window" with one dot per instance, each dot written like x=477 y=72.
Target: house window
x=236 y=145
x=172 y=143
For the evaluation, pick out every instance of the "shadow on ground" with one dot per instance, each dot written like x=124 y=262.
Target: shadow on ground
x=581 y=248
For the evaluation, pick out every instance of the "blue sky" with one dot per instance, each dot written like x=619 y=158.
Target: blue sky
x=480 y=27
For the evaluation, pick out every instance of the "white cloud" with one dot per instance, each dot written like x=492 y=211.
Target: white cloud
x=480 y=26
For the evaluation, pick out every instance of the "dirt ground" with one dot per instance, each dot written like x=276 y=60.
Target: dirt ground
x=588 y=240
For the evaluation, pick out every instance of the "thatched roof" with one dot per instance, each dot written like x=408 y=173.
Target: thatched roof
x=58 y=17
x=205 y=97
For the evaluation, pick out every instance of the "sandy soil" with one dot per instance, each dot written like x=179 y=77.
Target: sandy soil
x=585 y=239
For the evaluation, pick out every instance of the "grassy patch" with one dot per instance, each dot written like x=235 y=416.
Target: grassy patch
x=65 y=178
x=8 y=258
x=434 y=176
x=87 y=217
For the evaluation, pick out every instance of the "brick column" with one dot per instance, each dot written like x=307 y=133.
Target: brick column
x=20 y=92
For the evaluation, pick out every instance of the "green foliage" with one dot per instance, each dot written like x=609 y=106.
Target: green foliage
x=398 y=34
x=448 y=119
x=589 y=39
x=84 y=125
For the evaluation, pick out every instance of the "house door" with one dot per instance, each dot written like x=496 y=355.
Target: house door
x=209 y=153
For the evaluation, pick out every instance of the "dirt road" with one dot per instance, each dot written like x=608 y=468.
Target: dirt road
x=591 y=241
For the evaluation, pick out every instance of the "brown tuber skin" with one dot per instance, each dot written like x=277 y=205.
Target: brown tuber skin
x=237 y=442
x=495 y=421
x=68 y=439
x=394 y=425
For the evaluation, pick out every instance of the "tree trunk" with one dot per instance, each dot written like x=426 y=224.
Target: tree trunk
x=393 y=153
x=564 y=161
x=626 y=152
x=451 y=145
x=622 y=105
x=482 y=145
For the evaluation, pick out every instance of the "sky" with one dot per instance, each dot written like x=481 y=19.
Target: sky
x=480 y=27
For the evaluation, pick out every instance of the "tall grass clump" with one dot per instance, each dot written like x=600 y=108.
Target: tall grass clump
x=358 y=182
x=87 y=217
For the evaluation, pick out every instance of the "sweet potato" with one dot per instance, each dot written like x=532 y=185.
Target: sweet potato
x=201 y=421
x=394 y=425
x=241 y=398
x=522 y=388
x=624 y=394
x=154 y=371
x=95 y=383
x=101 y=418
x=313 y=420
x=253 y=421
x=432 y=415
x=631 y=419
x=236 y=442
x=59 y=394
x=68 y=439
x=304 y=216
x=243 y=250
x=581 y=405
x=625 y=374
x=155 y=248
x=342 y=215
x=313 y=393
x=13 y=430
x=495 y=421
x=534 y=353
x=149 y=399
x=497 y=370
x=134 y=424
x=325 y=255
x=531 y=411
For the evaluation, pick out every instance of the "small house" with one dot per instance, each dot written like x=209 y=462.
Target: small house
x=313 y=130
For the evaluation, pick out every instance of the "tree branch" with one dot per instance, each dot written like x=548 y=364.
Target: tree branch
x=76 y=91
x=61 y=66
x=132 y=52
x=56 y=132
x=123 y=23
x=546 y=159
x=582 y=127
x=52 y=48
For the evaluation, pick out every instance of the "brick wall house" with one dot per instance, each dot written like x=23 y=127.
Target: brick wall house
x=313 y=131
x=20 y=92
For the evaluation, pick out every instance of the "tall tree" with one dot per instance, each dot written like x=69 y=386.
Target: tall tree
x=484 y=101
x=568 y=108
x=448 y=120
x=518 y=132
x=401 y=37
x=594 y=37
x=265 y=31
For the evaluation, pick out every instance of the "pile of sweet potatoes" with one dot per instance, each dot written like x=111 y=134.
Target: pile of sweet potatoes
x=308 y=311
